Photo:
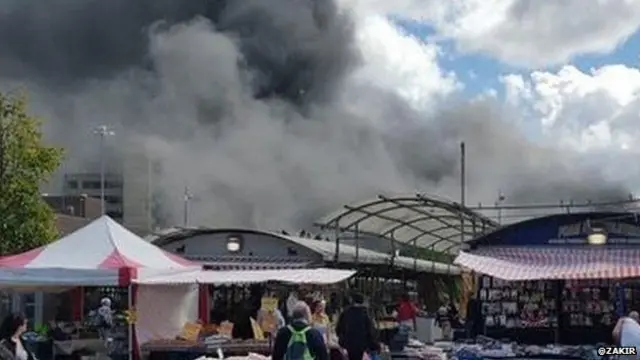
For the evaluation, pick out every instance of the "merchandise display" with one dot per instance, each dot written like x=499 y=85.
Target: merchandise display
x=518 y=304
x=589 y=303
x=569 y=312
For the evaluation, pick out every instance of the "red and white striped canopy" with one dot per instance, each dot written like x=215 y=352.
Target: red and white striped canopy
x=537 y=263
x=101 y=253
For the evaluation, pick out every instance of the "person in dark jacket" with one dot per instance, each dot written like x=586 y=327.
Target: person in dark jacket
x=12 y=345
x=300 y=320
x=473 y=321
x=355 y=329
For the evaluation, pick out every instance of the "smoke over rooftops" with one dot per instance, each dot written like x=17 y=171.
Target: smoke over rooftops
x=254 y=105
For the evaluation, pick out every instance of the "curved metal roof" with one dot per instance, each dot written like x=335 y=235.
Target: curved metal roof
x=422 y=220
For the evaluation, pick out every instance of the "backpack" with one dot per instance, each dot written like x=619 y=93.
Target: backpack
x=297 y=348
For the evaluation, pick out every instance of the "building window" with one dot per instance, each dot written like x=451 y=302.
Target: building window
x=72 y=184
x=113 y=199
x=234 y=243
x=91 y=184
x=112 y=184
x=116 y=215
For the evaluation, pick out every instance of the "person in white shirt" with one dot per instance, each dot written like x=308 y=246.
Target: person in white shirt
x=292 y=300
x=627 y=333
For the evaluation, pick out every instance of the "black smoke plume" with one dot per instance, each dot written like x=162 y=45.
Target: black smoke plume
x=255 y=107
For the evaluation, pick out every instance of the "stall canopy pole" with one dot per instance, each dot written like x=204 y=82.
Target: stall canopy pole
x=337 y=235
x=463 y=185
x=130 y=335
x=357 y=233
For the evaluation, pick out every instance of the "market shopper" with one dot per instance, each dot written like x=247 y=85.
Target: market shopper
x=319 y=318
x=355 y=329
x=105 y=313
x=298 y=340
x=627 y=333
x=443 y=320
x=472 y=320
x=12 y=345
x=292 y=300
x=407 y=312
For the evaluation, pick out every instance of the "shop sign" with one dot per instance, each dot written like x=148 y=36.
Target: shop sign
x=617 y=233
x=269 y=304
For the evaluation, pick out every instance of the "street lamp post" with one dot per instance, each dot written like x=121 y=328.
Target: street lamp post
x=102 y=131
x=498 y=204
x=187 y=198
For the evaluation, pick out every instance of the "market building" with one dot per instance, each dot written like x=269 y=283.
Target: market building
x=383 y=238
x=562 y=278
x=235 y=249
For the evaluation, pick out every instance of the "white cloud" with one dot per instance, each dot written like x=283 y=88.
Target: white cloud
x=393 y=60
x=588 y=111
x=524 y=32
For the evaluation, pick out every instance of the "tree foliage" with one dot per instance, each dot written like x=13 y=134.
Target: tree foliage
x=26 y=221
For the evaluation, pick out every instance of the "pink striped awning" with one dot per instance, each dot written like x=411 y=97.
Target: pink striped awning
x=537 y=263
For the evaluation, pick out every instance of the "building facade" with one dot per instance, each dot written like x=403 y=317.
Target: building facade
x=89 y=184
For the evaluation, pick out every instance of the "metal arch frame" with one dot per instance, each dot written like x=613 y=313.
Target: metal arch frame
x=417 y=203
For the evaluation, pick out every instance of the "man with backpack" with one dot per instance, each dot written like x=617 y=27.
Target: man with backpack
x=298 y=340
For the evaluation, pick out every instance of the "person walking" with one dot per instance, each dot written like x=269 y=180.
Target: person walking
x=299 y=340
x=356 y=331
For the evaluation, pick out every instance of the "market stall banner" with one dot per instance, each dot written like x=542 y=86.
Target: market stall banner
x=565 y=230
x=541 y=263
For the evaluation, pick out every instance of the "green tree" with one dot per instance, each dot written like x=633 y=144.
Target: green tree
x=26 y=221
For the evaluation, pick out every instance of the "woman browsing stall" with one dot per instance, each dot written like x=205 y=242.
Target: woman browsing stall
x=12 y=346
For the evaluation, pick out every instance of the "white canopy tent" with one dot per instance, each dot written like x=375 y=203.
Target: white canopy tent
x=103 y=253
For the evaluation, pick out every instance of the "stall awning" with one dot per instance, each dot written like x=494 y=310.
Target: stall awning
x=537 y=263
x=250 y=262
x=320 y=276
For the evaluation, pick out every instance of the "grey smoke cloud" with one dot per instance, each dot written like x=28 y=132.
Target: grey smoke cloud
x=251 y=104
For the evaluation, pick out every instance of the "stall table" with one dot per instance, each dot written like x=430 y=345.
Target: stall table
x=187 y=350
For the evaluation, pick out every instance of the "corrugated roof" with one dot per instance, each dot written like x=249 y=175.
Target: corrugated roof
x=420 y=220
x=326 y=249
x=349 y=254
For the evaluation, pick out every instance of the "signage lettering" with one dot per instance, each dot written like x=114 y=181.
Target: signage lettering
x=611 y=228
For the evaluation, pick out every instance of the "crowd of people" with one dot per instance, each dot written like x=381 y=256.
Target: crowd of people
x=304 y=338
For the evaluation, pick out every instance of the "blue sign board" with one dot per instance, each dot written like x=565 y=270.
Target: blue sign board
x=566 y=230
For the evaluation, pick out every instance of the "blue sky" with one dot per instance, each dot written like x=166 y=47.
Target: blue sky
x=479 y=73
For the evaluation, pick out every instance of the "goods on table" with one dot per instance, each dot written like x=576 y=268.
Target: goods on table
x=501 y=350
x=251 y=356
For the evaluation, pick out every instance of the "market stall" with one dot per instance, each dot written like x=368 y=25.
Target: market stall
x=558 y=279
x=192 y=339
x=103 y=253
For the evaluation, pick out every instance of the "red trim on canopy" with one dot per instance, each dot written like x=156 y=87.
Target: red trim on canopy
x=553 y=263
x=125 y=275
x=116 y=260
x=21 y=260
x=203 y=303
